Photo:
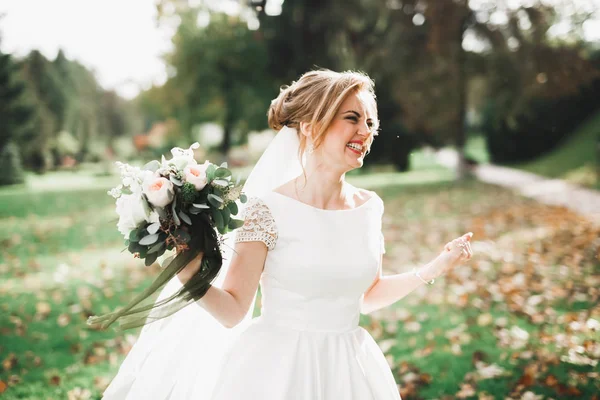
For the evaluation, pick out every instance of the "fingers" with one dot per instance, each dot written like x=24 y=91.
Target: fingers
x=463 y=243
x=468 y=250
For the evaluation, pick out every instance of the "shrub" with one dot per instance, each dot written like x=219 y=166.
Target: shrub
x=10 y=165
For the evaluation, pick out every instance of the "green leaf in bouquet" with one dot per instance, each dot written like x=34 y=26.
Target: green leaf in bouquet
x=224 y=164
x=243 y=198
x=153 y=228
x=182 y=235
x=176 y=181
x=202 y=206
x=217 y=191
x=135 y=247
x=194 y=211
x=226 y=215
x=233 y=208
x=127 y=242
x=215 y=200
x=218 y=219
x=162 y=236
x=222 y=172
x=221 y=182
x=161 y=212
x=185 y=218
x=148 y=240
x=210 y=172
x=143 y=253
x=174 y=212
x=152 y=166
x=134 y=236
x=235 y=223
x=157 y=247
x=150 y=259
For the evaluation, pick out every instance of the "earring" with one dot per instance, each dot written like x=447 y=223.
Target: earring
x=311 y=148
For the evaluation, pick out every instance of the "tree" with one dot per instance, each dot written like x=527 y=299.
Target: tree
x=14 y=113
x=220 y=74
x=15 y=116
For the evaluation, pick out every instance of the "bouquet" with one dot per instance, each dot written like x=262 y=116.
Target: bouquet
x=174 y=204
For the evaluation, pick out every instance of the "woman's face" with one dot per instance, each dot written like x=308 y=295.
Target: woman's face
x=346 y=140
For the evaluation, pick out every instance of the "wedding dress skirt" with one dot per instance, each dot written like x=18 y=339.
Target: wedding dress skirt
x=305 y=345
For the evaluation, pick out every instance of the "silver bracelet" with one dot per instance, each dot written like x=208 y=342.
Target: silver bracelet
x=416 y=272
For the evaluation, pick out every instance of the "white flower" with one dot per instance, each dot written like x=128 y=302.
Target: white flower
x=115 y=192
x=132 y=210
x=183 y=158
x=196 y=175
x=159 y=191
x=137 y=183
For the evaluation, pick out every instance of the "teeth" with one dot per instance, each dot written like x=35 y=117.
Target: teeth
x=354 y=146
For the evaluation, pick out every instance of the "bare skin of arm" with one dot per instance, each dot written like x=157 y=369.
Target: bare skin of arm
x=230 y=303
x=386 y=290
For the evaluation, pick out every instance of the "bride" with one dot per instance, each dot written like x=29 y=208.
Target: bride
x=313 y=243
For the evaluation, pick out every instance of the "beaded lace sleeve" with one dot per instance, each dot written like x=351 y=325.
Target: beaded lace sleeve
x=259 y=224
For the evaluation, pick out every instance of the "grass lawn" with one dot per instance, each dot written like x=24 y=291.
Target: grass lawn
x=522 y=316
x=575 y=160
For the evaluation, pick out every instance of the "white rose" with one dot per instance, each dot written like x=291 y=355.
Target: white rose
x=159 y=191
x=196 y=175
x=132 y=210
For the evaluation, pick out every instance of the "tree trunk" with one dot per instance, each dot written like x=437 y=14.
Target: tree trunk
x=226 y=143
x=461 y=81
x=228 y=120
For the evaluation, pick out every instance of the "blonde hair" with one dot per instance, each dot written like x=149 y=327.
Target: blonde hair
x=316 y=98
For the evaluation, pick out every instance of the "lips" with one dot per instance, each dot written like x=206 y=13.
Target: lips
x=356 y=146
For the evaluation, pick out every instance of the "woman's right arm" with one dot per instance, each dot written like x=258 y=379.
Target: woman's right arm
x=230 y=304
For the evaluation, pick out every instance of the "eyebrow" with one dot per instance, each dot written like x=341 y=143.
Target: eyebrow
x=356 y=113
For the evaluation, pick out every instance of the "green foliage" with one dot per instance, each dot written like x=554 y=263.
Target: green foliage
x=10 y=165
x=15 y=114
x=66 y=97
x=576 y=158
x=220 y=75
x=188 y=192
x=542 y=124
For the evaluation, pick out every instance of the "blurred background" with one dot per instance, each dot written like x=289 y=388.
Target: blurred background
x=490 y=123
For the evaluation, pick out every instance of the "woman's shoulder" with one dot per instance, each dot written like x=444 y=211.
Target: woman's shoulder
x=362 y=196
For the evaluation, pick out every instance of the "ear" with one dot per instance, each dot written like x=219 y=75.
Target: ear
x=306 y=129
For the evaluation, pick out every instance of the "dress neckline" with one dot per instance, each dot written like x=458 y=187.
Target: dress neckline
x=322 y=209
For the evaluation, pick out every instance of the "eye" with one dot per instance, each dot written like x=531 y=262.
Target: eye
x=352 y=118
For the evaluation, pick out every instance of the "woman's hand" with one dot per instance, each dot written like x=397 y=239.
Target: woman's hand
x=190 y=269
x=454 y=253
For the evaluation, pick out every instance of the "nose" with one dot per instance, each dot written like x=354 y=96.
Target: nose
x=364 y=130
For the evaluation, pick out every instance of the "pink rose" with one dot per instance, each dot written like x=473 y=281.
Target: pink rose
x=159 y=191
x=196 y=175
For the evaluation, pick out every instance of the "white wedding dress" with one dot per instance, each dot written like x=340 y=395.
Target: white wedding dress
x=306 y=344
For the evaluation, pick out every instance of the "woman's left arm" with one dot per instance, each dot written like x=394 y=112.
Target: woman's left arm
x=386 y=290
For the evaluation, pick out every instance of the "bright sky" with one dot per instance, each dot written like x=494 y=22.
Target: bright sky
x=118 y=39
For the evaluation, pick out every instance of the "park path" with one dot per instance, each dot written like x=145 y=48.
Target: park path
x=546 y=190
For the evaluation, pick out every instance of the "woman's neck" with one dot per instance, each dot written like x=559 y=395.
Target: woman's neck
x=322 y=189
